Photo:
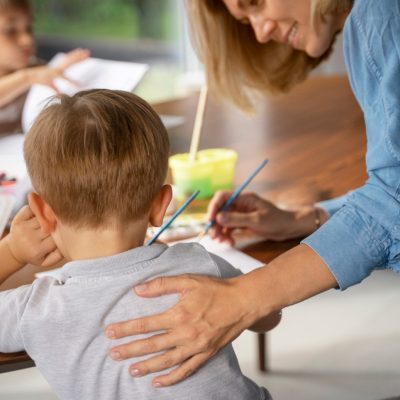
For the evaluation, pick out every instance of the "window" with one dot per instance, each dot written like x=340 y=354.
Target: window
x=149 y=31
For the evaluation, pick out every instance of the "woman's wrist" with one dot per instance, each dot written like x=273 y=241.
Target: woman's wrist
x=305 y=221
x=288 y=279
x=254 y=307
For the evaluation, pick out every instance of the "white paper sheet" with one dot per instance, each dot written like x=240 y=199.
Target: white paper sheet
x=93 y=73
x=234 y=256
x=13 y=164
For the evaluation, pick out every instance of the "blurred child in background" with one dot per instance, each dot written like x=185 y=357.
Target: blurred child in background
x=19 y=68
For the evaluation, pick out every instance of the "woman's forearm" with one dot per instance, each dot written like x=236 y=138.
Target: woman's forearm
x=290 y=278
x=13 y=85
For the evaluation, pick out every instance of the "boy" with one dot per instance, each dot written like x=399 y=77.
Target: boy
x=98 y=180
x=19 y=69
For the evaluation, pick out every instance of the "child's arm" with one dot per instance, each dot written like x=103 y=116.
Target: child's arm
x=18 y=82
x=26 y=244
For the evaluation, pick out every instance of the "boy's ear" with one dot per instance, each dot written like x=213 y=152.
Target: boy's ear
x=160 y=205
x=43 y=212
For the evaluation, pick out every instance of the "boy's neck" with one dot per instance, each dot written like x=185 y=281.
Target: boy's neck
x=83 y=243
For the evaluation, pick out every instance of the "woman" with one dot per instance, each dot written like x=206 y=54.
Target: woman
x=271 y=45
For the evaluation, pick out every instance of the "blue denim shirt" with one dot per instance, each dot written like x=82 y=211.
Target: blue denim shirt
x=363 y=232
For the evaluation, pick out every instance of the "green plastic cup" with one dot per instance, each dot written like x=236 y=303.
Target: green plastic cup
x=212 y=170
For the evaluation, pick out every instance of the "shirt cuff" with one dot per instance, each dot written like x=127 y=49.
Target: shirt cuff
x=351 y=244
x=333 y=205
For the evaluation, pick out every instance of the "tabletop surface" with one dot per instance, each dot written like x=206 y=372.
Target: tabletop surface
x=314 y=138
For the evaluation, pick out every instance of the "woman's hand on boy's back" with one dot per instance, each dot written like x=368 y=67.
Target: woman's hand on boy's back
x=46 y=74
x=28 y=244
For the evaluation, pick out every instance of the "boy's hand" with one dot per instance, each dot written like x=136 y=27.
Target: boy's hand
x=45 y=75
x=73 y=57
x=28 y=244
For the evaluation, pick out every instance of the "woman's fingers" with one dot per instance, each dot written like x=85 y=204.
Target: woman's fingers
x=209 y=314
x=163 y=285
x=216 y=203
x=137 y=326
x=159 y=362
x=183 y=371
x=176 y=342
x=153 y=288
x=236 y=219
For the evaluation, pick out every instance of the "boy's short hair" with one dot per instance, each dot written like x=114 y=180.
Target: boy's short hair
x=22 y=5
x=98 y=157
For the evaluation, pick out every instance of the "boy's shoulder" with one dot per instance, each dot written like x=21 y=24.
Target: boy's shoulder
x=195 y=256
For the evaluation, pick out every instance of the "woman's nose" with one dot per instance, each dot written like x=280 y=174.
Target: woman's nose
x=262 y=27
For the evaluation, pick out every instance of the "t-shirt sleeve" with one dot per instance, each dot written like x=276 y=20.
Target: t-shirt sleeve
x=12 y=306
x=226 y=269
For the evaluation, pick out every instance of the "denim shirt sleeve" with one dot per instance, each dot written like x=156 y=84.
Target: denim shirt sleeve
x=333 y=205
x=351 y=244
x=357 y=239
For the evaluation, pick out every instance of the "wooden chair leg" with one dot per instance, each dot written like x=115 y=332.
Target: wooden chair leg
x=262 y=352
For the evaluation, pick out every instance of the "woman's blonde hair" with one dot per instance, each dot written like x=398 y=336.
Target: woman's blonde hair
x=237 y=65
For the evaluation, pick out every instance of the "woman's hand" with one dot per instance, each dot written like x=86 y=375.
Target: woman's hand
x=251 y=212
x=46 y=74
x=210 y=314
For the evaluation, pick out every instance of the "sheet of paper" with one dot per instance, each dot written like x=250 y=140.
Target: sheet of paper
x=13 y=164
x=235 y=257
x=93 y=73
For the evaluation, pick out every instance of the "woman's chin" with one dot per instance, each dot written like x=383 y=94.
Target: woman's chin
x=317 y=48
x=315 y=51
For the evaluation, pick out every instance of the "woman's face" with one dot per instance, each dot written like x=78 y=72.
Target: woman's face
x=287 y=21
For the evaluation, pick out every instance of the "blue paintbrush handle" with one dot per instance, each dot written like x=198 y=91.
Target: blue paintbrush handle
x=172 y=219
x=239 y=190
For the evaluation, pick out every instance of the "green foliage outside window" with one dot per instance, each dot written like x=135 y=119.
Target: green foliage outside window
x=152 y=19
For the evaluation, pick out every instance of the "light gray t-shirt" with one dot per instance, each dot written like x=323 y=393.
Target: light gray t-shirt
x=60 y=323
